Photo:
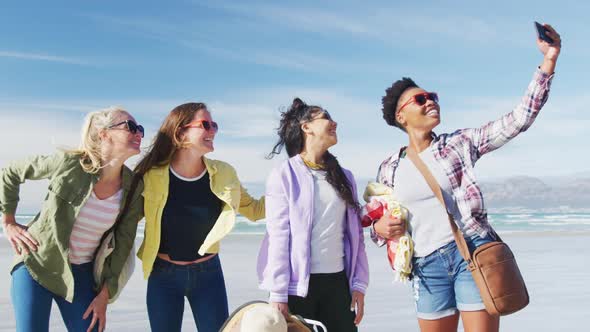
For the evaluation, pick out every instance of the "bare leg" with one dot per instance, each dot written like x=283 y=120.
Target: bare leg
x=480 y=321
x=445 y=324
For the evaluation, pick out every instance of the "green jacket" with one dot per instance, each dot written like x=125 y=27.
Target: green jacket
x=69 y=188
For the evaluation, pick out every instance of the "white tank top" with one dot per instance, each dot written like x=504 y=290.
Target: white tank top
x=429 y=224
x=327 y=233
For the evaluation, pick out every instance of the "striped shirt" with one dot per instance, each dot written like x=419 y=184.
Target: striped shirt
x=458 y=152
x=95 y=218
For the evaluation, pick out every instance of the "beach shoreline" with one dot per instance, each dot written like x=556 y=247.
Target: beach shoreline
x=550 y=264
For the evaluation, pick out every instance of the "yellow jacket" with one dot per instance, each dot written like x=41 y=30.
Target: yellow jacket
x=224 y=184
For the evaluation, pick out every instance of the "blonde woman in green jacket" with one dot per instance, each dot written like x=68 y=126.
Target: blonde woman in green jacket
x=55 y=251
x=191 y=204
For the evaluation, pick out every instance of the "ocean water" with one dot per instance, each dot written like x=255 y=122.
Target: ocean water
x=502 y=222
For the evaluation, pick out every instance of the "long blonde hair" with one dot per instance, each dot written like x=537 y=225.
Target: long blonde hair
x=89 y=148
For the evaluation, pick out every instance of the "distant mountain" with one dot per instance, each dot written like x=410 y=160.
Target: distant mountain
x=526 y=194
x=530 y=194
x=517 y=194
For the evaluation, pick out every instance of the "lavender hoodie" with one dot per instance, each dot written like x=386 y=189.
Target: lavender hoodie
x=284 y=258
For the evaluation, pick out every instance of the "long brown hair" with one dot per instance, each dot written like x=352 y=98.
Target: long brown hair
x=168 y=141
x=291 y=138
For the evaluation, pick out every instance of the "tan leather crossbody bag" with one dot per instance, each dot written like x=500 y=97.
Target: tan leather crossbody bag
x=492 y=265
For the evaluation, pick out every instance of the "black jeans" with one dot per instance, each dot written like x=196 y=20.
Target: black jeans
x=328 y=301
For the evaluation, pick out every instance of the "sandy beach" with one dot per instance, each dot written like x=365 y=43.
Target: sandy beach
x=552 y=265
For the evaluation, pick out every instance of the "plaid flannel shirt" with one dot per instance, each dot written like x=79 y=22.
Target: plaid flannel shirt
x=457 y=153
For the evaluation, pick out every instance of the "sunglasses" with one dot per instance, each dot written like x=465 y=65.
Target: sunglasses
x=421 y=98
x=207 y=125
x=132 y=127
x=324 y=115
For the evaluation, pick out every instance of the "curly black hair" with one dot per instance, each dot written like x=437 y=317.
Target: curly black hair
x=290 y=133
x=292 y=139
x=389 y=101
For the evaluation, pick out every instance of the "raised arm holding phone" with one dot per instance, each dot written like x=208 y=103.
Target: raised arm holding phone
x=441 y=299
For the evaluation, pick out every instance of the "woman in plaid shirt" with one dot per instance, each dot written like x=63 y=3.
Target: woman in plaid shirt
x=443 y=287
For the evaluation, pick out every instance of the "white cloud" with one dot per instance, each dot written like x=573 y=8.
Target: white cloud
x=272 y=58
x=145 y=26
x=552 y=146
x=244 y=120
x=285 y=58
x=41 y=126
x=385 y=23
x=364 y=139
x=314 y=20
x=24 y=134
x=256 y=112
x=249 y=119
x=42 y=57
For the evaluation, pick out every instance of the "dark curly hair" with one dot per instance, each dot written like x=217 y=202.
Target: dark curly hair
x=389 y=101
x=292 y=139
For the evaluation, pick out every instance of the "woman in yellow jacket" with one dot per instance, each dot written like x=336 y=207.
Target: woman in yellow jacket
x=190 y=205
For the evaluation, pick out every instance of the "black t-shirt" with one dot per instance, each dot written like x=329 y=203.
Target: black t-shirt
x=189 y=215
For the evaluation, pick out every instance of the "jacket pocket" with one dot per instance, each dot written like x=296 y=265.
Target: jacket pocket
x=66 y=192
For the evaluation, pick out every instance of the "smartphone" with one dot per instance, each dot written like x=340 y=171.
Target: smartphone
x=542 y=33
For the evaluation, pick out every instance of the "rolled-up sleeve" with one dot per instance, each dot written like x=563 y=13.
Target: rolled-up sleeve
x=16 y=173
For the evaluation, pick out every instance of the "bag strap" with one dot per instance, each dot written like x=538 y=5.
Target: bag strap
x=433 y=184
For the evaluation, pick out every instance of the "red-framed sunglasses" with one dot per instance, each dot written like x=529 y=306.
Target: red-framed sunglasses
x=420 y=99
x=207 y=125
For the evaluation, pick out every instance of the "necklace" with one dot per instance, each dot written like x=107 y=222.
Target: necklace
x=312 y=165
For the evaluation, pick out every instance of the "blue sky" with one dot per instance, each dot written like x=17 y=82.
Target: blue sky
x=246 y=59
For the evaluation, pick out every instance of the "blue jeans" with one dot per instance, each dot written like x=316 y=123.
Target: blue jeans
x=202 y=284
x=443 y=284
x=32 y=302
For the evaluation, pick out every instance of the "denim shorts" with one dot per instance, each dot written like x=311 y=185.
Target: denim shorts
x=442 y=283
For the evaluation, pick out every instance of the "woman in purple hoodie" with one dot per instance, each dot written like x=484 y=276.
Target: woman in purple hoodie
x=313 y=259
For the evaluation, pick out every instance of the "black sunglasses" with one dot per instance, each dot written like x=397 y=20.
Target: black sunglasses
x=132 y=127
x=324 y=115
